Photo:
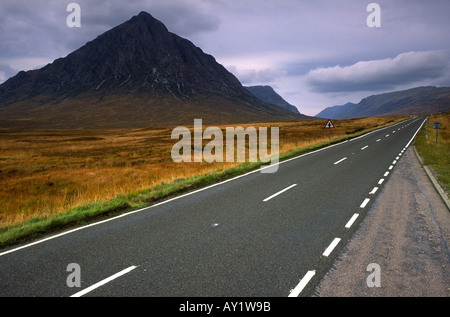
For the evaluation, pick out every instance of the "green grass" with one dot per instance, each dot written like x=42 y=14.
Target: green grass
x=436 y=156
x=39 y=227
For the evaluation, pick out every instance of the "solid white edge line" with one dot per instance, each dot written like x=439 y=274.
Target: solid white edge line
x=351 y=221
x=303 y=282
x=341 y=160
x=364 y=203
x=278 y=193
x=414 y=136
x=331 y=247
x=196 y=191
x=103 y=282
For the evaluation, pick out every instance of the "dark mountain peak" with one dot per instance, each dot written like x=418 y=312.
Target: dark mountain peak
x=145 y=15
x=144 y=21
x=138 y=60
x=146 y=18
x=139 y=55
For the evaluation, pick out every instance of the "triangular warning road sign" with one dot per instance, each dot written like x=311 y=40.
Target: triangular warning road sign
x=329 y=125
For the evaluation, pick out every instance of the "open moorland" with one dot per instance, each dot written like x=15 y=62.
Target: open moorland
x=51 y=179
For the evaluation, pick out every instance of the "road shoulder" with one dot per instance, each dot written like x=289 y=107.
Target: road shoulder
x=405 y=234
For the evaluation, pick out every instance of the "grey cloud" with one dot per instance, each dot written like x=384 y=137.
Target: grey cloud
x=253 y=76
x=184 y=18
x=39 y=28
x=6 y=71
x=406 y=68
x=310 y=36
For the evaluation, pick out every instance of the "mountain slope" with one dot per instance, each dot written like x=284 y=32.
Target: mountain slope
x=420 y=100
x=137 y=74
x=335 y=112
x=268 y=94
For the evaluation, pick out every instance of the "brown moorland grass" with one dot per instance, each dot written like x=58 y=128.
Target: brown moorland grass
x=46 y=174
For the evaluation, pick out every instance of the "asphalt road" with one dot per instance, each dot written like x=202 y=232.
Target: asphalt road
x=405 y=235
x=236 y=238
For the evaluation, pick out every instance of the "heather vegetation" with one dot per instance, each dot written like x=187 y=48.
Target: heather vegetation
x=52 y=179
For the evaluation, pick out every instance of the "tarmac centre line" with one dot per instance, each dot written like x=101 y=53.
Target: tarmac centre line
x=103 y=282
x=374 y=190
x=341 y=160
x=351 y=221
x=331 y=247
x=364 y=203
x=303 y=282
x=279 y=193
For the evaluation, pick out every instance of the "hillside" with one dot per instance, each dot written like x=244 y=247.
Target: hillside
x=416 y=101
x=335 y=112
x=268 y=94
x=137 y=74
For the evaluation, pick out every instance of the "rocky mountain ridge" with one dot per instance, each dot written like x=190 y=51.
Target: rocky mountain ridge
x=415 y=101
x=137 y=74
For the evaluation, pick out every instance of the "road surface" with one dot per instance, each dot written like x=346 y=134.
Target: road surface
x=406 y=233
x=262 y=235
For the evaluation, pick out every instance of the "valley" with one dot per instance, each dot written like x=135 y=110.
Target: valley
x=77 y=174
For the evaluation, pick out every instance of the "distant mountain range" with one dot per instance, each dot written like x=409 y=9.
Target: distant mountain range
x=416 y=101
x=268 y=94
x=137 y=74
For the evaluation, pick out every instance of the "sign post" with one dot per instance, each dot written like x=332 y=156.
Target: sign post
x=329 y=126
x=437 y=126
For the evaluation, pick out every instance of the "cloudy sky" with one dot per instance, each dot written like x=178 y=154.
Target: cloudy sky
x=314 y=53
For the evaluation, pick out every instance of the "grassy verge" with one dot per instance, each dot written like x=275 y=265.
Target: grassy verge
x=436 y=156
x=37 y=227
